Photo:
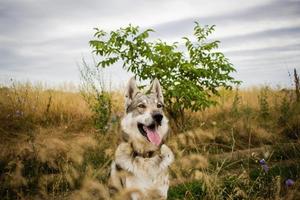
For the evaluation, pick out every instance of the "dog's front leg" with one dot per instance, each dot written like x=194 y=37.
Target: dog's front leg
x=167 y=157
x=124 y=159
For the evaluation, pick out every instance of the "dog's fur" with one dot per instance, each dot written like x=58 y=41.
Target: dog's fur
x=141 y=161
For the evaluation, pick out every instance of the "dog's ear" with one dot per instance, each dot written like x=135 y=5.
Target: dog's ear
x=130 y=92
x=157 y=90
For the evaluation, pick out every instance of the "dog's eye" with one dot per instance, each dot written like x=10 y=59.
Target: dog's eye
x=159 y=105
x=141 y=106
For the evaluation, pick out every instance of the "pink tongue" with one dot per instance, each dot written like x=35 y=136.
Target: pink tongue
x=153 y=136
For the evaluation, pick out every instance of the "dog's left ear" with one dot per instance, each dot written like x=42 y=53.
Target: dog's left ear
x=157 y=90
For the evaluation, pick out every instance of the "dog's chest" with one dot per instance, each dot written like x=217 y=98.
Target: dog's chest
x=149 y=177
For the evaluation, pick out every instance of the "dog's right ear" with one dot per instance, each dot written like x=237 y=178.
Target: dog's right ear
x=130 y=92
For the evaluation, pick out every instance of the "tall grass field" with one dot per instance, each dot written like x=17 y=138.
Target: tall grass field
x=53 y=147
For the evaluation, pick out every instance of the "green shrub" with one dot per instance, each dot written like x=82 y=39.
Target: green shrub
x=189 y=78
x=95 y=93
x=264 y=111
x=235 y=104
x=285 y=111
x=102 y=111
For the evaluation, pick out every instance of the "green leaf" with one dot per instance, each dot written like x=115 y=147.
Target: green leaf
x=189 y=77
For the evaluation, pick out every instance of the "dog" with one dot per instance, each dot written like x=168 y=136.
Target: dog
x=142 y=159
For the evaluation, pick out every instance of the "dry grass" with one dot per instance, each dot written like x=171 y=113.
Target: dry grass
x=52 y=150
x=26 y=106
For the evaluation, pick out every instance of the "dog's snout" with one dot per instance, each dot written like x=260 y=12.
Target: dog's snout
x=157 y=117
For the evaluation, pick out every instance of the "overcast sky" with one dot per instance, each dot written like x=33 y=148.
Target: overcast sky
x=45 y=40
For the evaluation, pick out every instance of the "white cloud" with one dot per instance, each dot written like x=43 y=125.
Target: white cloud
x=45 y=39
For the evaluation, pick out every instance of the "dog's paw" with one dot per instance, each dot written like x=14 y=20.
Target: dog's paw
x=167 y=154
x=165 y=150
x=124 y=149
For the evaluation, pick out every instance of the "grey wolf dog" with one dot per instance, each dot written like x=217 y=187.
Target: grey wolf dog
x=142 y=159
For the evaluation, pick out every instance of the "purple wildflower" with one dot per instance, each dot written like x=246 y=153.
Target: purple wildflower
x=289 y=182
x=265 y=167
x=262 y=162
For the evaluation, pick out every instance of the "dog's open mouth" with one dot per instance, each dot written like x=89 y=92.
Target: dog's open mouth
x=150 y=132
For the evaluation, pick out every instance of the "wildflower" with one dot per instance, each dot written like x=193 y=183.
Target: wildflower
x=289 y=182
x=262 y=162
x=266 y=168
x=264 y=165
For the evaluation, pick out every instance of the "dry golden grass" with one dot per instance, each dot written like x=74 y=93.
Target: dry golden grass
x=248 y=97
x=52 y=149
x=26 y=106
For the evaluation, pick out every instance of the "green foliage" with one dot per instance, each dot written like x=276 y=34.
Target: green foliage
x=290 y=119
x=102 y=111
x=96 y=95
x=191 y=190
x=189 y=77
x=285 y=111
x=263 y=104
x=235 y=104
x=276 y=177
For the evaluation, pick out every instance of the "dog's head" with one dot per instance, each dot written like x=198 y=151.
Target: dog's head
x=144 y=123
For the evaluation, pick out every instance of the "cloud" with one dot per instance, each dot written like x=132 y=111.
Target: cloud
x=46 y=39
x=260 y=41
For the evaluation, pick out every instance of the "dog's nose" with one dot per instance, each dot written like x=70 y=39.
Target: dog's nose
x=157 y=117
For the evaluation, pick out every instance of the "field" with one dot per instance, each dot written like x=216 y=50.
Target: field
x=246 y=147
